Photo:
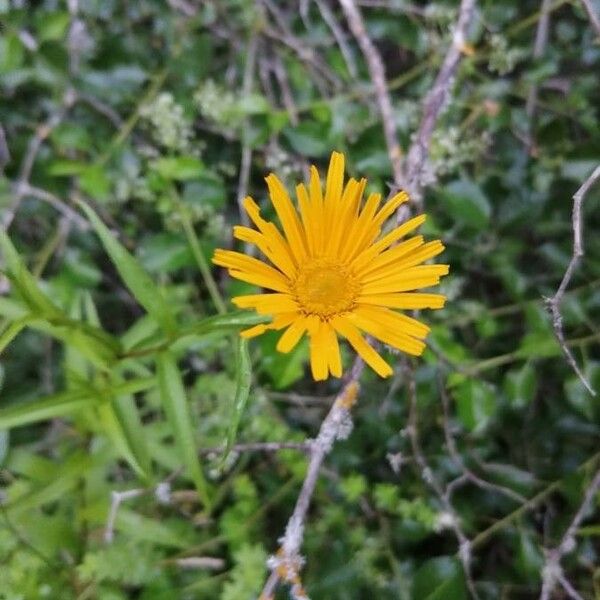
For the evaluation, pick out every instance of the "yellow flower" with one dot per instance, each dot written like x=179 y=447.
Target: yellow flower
x=333 y=273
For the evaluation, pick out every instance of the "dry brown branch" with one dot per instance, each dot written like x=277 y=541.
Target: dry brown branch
x=552 y=571
x=593 y=17
x=554 y=302
x=434 y=103
x=285 y=565
x=377 y=73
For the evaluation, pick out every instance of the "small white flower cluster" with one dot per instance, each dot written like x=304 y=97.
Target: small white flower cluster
x=502 y=58
x=277 y=160
x=216 y=470
x=171 y=128
x=216 y=104
x=444 y=520
x=450 y=149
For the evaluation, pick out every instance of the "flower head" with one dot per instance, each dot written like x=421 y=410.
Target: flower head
x=332 y=273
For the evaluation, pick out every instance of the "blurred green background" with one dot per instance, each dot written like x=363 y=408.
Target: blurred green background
x=159 y=115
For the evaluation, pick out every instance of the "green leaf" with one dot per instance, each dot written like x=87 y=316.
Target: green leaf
x=228 y=322
x=63 y=403
x=180 y=168
x=475 y=402
x=95 y=182
x=54 y=488
x=176 y=407
x=49 y=407
x=440 y=578
x=122 y=426
x=520 y=385
x=243 y=368
x=4 y=444
x=25 y=283
x=135 y=278
x=466 y=202
x=13 y=330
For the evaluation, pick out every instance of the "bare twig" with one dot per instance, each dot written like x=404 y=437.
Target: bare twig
x=434 y=103
x=339 y=35
x=209 y=563
x=552 y=571
x=246 y=161
x=539 y=47
x=40 y=135
x=553 y=303
x=261 y=447
x=593 y=17
x=443 y=493
x=25 y=189
x=116 y=499
x=467 y=474
x=377 y=73
x=286 y=564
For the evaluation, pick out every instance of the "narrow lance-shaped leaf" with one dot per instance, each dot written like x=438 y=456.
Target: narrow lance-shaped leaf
x=176 y=407
x=64 y=403
x=135 y=278
x=25 y=283
x=242 y=390
x=120 y=414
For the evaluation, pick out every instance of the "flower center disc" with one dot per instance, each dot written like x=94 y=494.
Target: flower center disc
x=325 y=289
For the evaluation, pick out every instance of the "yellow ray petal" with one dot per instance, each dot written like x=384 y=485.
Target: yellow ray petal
x=355 y=241
x=268 y=229
x=335 y=178
x=396 y=339
x=390 y=206
x=356 y=340
x=333 y=350
x=407 y=301
x=235 y=261
x=345 y=215
x=266 y=304
x=287 y=215
x=411 y=279
x=393 y=321
x=292 y=335
x=318 y=349
x=280 y=259
x=394 y=261
x=390 y=259
x=309 y=218
x=253 y=331
x=259 y=280
x=316 y=200
x=387 y=240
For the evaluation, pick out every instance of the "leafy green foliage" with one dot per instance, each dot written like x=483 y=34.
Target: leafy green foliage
x=148 y=120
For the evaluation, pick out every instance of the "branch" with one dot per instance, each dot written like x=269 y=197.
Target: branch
x=25 y=189
x=377 y=73
x=539 y=47
x=434 y=103
x=261 y=447
x=553 y=304
x=286 y=564
x=443 y=493
x=593 y=17
x=552 y=571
